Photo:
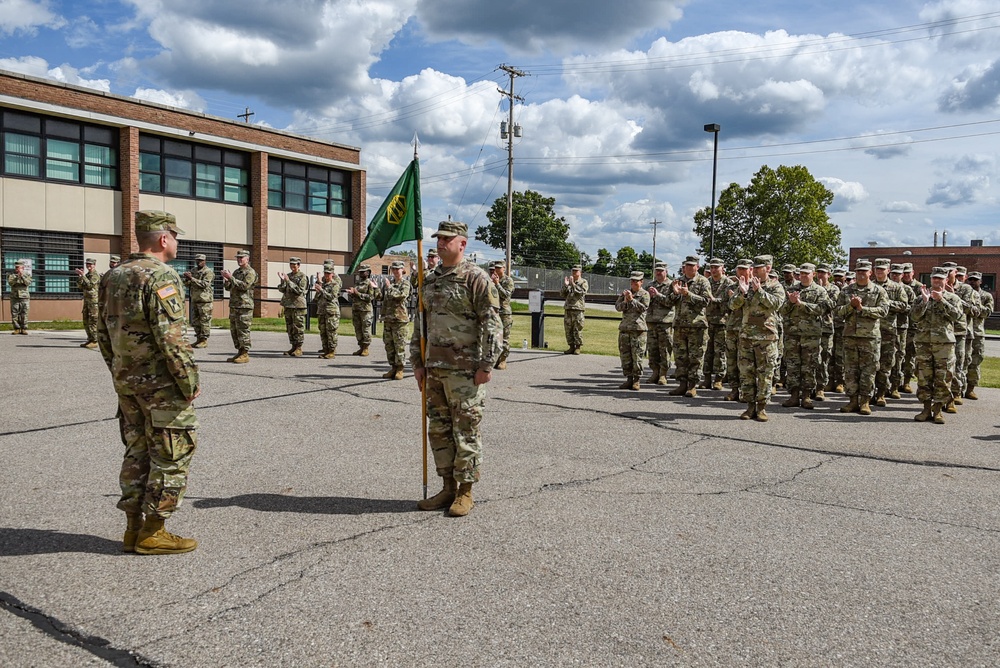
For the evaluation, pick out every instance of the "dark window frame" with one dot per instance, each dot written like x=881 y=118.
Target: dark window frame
x=214 y=256
x=45 y=247
x=175 y=152
x=316 y=194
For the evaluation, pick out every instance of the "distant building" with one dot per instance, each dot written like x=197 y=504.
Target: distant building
x=76 y=164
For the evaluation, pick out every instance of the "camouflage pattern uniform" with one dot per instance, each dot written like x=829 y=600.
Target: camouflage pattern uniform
x=977 y=345
x=734 y=325
x=574 y=307
x=361 y=307
x=632 y=329
x=716 y=361
x=659 y=320
x=90 y=285
x=787 y=284
x=396 y=319
x=293 y=289
x=970 y=309
x=141 y=337
x=935 y=344
x=505 y=287
x=837 y=360
x=20 y=300
x=328 y=309
x=690 y=327
x=903 y=333
x=862 y=338
x=909 y=353
x=200 y=286
x=463 y=332
x=824 y=378
x=889 y=334
x=803 y=324
x=240 y=287
x=758 y=356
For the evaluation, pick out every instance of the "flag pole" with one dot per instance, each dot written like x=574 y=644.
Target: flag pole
x=421 y=319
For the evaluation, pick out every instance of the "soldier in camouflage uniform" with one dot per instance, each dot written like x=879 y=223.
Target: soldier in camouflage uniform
x=141 y=337
x=826 y=341
x=977 y=344
x=293 y=287
x=970 y=309
x=463 y=333
x=734 y=325
x=574 y=291
x=659 y=320
x=889 y=346
x=20 y=297
x=689 y=295
x=363 y=295
x=902 y=331
x=396 y=320
x=802 y=313
x=240 y=284
x=200 y=285
x=906 y=368
x=328 y=286
x=759 y=297
x=505 y=287
x=935 y=311
x=632 y=304
x=716 y=361
x=89 y=282
x=863 y=304
x=788 y=283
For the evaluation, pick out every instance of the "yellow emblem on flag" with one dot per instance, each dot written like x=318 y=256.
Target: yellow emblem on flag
x=397 y=210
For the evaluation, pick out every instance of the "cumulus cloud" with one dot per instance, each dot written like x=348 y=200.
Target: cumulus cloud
x=900 y=207
x=958 y=191
x=845 y=193
x=974 y=90
x=884 y=144
x=26 y=16
x=39 y=67
x=182 y=99
x=532 y=26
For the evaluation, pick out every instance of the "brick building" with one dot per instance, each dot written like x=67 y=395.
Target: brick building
x=76 y=164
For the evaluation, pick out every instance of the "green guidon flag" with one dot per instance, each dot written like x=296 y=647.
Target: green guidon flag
x=398 y=219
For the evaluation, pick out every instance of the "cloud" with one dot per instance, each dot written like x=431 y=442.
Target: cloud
x=39 y=67
x=25 y=16
x=181 y=99
x=530 y=26
x=884 y=144
x=976 y=89
x=900 y=207
x=958 y=191
x=846 y=193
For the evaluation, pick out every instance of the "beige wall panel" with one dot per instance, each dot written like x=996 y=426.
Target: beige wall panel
x=272 y=278
x=340 y=234
x=102 y=211
x=239 y=224
x=320 y=235
x=209 y=221
x=296 y=230
x=275 y=228
x=24 y=204
x=64 y=208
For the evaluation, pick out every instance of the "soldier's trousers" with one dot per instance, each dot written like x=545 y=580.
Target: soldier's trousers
x=758 y=361
x=976 y=352
x=909 y=356
x=19 y=313
x=934 y=362
x=295 y=325
x=837 y=361
x=861 y=358
x=802 y=362
x=958 y=366
x=160 y=437
x=825 y=357
x=631 y=346
x=886 y=360
x=329 y=323
x=90 y=320
x=689 y=353
x=396 y=337
x=715 y=364
x=454 y=411
x=508 y=321
x=240 y=320
x=779 y=370
x=659 y=344
x=201 y=319
x=733 y=358
x=573 y=326
x=362 y=326
x=896 y=375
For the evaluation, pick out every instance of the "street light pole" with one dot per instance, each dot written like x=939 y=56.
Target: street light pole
x=714 y=129
x=654 y=223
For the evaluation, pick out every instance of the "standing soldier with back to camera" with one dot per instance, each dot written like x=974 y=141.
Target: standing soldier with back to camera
x=574 y=291
x=760 y=296
x=802 y=314
x=89 y=282
x=935 y=311
x=141 y=336
x=689 y=295
x=20 y=297
x=633 y=304
x=977 y=342
x=716 y=361
x=293 y=287
x=863 y=305
x=362 y=298
x=240 y=284
x=505 y=288
x=200 y=283
x=396 y=320
x=659 y=323
x=328 y=286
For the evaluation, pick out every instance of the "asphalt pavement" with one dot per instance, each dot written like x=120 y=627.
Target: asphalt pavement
x=611 y=528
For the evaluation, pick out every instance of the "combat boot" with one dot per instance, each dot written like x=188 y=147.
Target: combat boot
x=924 y=415
x=839 y=387
x=819 y=395
x=679 y=390
x=733 y=396
x=707 y=383
x=575 y=351
x=289 y=352
x=717 y=385
x=297 y=351
x=662 y=380
x=23 y=332
x=863 y=407
x=831 y=387
x=443 y=498
x=970 y=393
x=654 y=375
x=15 y=332
x=363 y=352
x=880 y=399
x=807 y=402
x=761 y=411
x=463 y=502
x=635 y=383
x=242 y=358
x=398 y=375
x=691 y=392
x=938 y=418
x=851 y=406
x=501 y=365
x=905 y=388
x=85 y=344
x=895 y=394
x=950 y=406
x=154 y=539
x=627 y=385
x=329 y=355
x=390 y=373
x=792 y=401
x=958 y=400
x=750 y=413
x=134 y=523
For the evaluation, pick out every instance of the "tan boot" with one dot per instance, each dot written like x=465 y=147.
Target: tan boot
x=819 y=395
x=717 y=385
x=390 y=373
x=398 y=375
x=443 y=498
x=750 y=413
x=154 y=539
x=329 y=355
x=242 y=358
x=363 y=352
x=807 y=402
x=654 y=375
x=924 y=415
x=895 y=394
x=200 y=343
x=905 y=388
x=692 y=392
x=288 y=352
x=792 y=401
x=880 y=398
x=575 y=351
x=761 y=411
x=851 y=406
x=501 y=365
x=133 y=524
x=627 y=385
x=936 y=410
x=679 y=390
x=950 y=406
x=958 y=401
x=971 y=394
x=863 y=407
x=662 y=380
x=297 y=351
x=733 y=396
x=463 y=502
x=635 y=383
x=839 y=387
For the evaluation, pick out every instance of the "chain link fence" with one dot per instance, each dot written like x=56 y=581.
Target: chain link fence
x=551 y=280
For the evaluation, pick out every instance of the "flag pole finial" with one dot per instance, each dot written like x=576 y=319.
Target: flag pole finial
x=416 y=144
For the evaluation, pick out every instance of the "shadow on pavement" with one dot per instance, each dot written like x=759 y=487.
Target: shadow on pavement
x=321 y=505
x=21 y=542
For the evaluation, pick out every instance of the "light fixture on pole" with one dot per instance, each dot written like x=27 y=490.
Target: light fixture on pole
x=714 y=129
x=654 y=223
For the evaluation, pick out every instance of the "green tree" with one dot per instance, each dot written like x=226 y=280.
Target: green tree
x=645 y=263
x=603 y=263
x=781 y=213
x=538 y=236
x=626 y=261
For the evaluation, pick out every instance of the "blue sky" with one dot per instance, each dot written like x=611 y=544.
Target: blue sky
x=894 y=106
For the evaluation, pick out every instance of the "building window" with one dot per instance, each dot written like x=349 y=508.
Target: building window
x=294 y=186
x=53 y=257
x=59 y=150
x=186 y=250
x=172 y=167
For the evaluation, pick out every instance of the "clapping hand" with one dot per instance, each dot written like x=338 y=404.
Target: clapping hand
x=793 y=297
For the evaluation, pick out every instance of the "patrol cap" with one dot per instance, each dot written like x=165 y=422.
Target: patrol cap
x=692 y=259
x=882 y=263
x=499 y=264
x=949 y=265
x=451 y=228
x=762 y=260
x=744 y=263
x=116 y=258
x=789 y=269
x=19 y=263
x=975 y=276
x=363 y=267
x=825 y=268
x=772 y=274
x=294 y=260
x=839 y=271
x=862 y=265
x=850 y=275
x=397 y=264
x=960 y=270
x=328 y=267
x=242 y=253
x=716 y=262
x=636 y=276
x=432 y=252
x=200 y=257
x=939 y=272
x=156 y=221
x=807 y=266
x=576 y=267
x=660 y=266
x=90 y=260
x=896 y=269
